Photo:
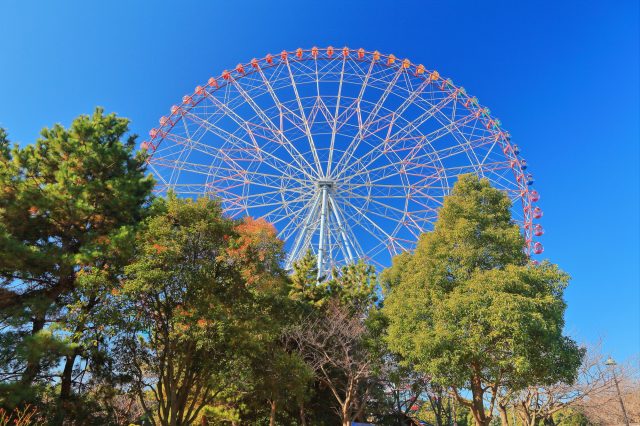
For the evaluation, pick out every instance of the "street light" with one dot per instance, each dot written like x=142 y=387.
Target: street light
x=612 y=364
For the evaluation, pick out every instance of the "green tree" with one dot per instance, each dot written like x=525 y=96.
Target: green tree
x=335 y=337
x=68 y=207
x=282 y=379
x=470 y=311
x=305 y=286
x=196 y=303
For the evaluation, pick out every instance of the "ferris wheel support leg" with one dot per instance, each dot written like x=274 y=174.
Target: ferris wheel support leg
x=323 y=218
x=343 y=235
x=302 y=236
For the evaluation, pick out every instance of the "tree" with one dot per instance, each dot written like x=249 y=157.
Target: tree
x=306 y=288
x=332 y=346
x=593 y=393
x=470 y=311
x=282 y=379
x=335 y=340
x=194 y=306
x=68 y=208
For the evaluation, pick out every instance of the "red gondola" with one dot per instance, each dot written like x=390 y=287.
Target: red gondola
x=538 y=248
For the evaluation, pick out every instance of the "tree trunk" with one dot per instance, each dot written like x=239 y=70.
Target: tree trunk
x=454 y=413
x=504 y=416
x=303 y=419
x=272 y=414
x=524 y=417
x=66 y=379
x=33 y=365
x=477 y=405
x=346 y=418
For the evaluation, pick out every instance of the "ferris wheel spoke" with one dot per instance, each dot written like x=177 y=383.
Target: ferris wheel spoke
x=370 y=221
x=398 y=137
x=248 y=128
x=376 y=200
x=433 y=156
x=278 y=103
x=304 y=231
x=346 y=245
x=406 y=103
x=306 y=123
x=224 y=173
x=335 y=119
x=388 y=147
x=294 y=216
x=181 y=155
x=426 y=115
x=417 y=194
x=220 y=157
x=317 y=78
x=260 y=199
x=463 y=138
x=355 y=142
x=412 y=176
x=403 y=133
x=444 y=153
x=290 y=227
x=254 y=151
x=195 y=168
x=367 y=230
x=381 y=211
x=352 y=240
x=275 y=215
x=283 y=141
x=358 y=111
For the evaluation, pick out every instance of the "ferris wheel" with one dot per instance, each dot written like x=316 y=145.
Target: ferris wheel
x=348 y=153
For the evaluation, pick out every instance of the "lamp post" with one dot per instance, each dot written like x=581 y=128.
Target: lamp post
x=612 y=364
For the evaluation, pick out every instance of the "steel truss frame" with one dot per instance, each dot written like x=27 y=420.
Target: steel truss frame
x=348 y=152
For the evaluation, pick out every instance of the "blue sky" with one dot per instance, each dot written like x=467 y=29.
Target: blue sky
x=563 y=77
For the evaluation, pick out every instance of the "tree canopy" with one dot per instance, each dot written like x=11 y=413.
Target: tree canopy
x=469 y=310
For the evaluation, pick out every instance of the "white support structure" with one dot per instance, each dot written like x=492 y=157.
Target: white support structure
x=323 y=219
x=345 y=240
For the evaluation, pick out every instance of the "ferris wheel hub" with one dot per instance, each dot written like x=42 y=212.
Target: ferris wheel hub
x=326 y=183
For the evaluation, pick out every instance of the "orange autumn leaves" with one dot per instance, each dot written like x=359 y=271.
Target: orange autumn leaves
x=186 y=318
x=252 y=247
x=159 y=248
x=255 y=249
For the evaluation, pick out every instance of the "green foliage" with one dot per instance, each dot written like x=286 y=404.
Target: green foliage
x=69 y=205
x=66 y=200
x=355 y=285
x=220 y=415
x=570 y=417
x=305 y=285
x=193 y=316
x=468 y=310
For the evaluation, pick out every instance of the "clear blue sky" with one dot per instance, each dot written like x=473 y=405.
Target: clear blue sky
x=562 y=76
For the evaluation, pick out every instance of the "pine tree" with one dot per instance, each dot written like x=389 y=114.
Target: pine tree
x=69 y=205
